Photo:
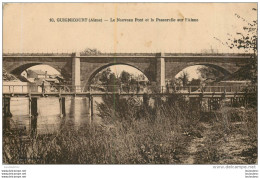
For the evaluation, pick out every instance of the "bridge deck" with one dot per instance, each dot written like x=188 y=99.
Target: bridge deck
x=87 y=94
x=79 y=91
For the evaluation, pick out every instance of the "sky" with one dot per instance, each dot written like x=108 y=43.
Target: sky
x=26 y=26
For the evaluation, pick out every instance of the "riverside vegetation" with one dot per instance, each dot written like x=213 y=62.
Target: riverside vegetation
x=173 y=131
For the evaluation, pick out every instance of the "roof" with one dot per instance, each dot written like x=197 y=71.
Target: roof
x=40 y=72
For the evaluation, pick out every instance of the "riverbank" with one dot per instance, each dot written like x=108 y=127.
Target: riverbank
x=135 y=136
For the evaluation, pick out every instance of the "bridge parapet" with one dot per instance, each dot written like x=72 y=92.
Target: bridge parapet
x=124 y=54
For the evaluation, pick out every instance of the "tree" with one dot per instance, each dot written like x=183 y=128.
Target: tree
x=8 y=77
x=195 y=82
x=91 y=51
x=104 y=77
x=125 y=77
x=184 y=77
x=113 y=79
x=210 y=73
x=125 y=80
x=247 y=39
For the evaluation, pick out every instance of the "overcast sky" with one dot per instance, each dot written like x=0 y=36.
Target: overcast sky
x=26 y=27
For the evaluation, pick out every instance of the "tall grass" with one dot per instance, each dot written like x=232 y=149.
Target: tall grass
x=231 y=138
x=133 y=132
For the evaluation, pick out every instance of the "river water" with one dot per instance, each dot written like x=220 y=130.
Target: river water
x=49 y=120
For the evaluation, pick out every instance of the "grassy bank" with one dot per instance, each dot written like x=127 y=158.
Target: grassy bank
x=170 y=132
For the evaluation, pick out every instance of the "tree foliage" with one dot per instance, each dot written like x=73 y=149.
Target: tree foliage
x=7 y=76
x=109 y=81
x=91 y=51
x=125 y=77
x=210 y=73
x=195 y=82
x=184 y=77
x=245 y=39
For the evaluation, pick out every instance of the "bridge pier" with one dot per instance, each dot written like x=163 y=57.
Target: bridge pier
x=160 y=72
x=62 y=107
x=76 y=72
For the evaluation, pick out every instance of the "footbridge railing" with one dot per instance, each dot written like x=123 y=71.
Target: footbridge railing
x=8 y=89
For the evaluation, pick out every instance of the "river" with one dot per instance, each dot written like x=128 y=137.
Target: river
x=49 y=120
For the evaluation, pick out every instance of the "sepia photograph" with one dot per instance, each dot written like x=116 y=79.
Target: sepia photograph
x=130 y=83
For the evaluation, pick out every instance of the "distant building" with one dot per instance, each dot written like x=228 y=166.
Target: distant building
x=37 y=74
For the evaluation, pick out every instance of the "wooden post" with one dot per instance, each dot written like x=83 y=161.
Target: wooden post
x=145 y=100
x=220 y=103
x=60 y=101
x=33 y=125
x=209 y=104
x=7 y=112
x=91 y=113
x=200 y=100
x=34 y=114
x=157 y=105
x=34 y=107
x=62 y=106
x=30 y=106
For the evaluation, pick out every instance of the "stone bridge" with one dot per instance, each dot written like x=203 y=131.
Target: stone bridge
x=80 y=68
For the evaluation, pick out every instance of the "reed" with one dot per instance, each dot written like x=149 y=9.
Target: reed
x=134 y=133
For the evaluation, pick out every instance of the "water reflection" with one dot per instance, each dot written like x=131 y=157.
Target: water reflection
x=48 y=119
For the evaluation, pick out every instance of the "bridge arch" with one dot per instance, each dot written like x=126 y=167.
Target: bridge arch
x=217 y=67
x=97 y=70
x=171 y=72
x=18 y=69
